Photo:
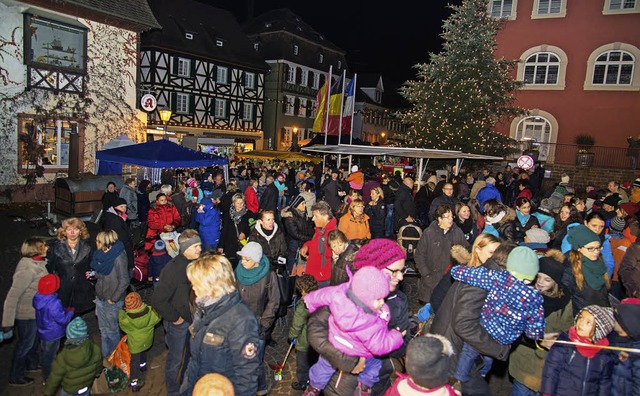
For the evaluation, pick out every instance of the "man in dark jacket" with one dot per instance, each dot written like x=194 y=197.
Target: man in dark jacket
x=432 y=254
x=458 y=319
x=446 y=198
x=171 y=299
x=269 y=199
x=332 y=191
x=115 y=218
x=404 y=206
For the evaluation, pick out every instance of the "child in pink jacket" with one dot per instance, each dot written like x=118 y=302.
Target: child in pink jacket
x=357 y=326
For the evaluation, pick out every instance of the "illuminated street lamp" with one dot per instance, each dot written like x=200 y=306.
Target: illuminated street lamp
x=294 y=140
x=165 y=116
x=382 y=135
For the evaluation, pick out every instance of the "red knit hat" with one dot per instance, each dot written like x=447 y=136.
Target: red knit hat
x=630 y=208
x=379 y=253
x=49 y=284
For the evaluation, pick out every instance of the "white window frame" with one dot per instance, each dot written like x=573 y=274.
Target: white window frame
x=536 y=14
x=609 y=64
x=562 y=71
x=219 y=43
x=221 y=75
x=291 y=75
x=339 y=64
x=220 y=110
x=316 y=80
x=314 y=110
x=256 y=46
x=539 y=65
x=249 y=80
x=182 y=103
x=184 y=67
x=614 y=7
x=291 y=104
x=188 y=36
x=302 y=109
x=304 y=77
x=321 y=58
x=247 y=112
x=512 y=12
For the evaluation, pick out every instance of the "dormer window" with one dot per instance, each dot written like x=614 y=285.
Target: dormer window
x=219 y=43
x=321 y=58
x=188 y=36
x=256 y=46
x=295 y=49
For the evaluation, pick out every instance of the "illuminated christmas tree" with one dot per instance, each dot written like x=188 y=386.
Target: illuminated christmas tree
x=463 y=91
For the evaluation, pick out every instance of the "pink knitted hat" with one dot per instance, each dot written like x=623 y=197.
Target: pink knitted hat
x=370 y=284
x=379 y=253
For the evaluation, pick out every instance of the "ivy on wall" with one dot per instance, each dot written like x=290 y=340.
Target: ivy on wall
x=104 y=111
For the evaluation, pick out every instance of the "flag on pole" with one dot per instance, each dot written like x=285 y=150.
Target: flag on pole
x=335 y=107
x=347 y=113
x=321 y=107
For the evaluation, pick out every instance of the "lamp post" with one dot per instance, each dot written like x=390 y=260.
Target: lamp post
x=294 y=140
x=382 y=135
x=165 y=116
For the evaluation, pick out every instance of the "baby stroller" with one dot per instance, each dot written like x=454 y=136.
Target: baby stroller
x=408 y=237
x=140 y=268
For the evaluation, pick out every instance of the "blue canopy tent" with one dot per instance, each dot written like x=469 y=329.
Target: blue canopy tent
x=160 y=154
x=108 y=167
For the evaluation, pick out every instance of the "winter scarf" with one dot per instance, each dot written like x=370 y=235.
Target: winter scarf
x=522 y=218
x=466 y=226
x=237 y=216
x=267 y=234
x=118 y=213
x=248 y=277
x=554 y=304
x=102 y=262
x=593 y=272
x=586 y=351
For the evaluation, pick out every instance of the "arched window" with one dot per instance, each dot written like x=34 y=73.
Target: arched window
x=536 y=129
x=542 y=68
x=613 y=68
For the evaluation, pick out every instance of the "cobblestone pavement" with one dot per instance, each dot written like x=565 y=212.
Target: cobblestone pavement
x=154 y=381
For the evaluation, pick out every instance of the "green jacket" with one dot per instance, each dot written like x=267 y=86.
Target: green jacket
x=139 y=324
x=526 y=362
x=75 y=367
x=298 y=328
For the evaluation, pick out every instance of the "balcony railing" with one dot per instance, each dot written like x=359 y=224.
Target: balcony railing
x=604 y=157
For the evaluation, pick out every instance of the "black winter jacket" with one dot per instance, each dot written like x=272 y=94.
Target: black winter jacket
x=229 y=242
x=274 y=247
x=377 y=218
x=507 y=227
x=299 y=228
x=116 y=223
x=225 y=341
x=269 y=199
x=75 y=290
x=171 y=296
x=404 y=207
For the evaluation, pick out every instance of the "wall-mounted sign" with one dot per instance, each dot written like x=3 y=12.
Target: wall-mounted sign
x=525 y=162
x=148 y=102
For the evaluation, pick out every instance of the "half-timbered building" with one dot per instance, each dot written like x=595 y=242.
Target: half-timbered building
x=203 y=68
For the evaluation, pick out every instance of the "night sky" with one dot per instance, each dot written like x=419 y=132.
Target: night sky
x=387 y=40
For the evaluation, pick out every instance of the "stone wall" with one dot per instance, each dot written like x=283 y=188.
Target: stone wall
x=580 y=176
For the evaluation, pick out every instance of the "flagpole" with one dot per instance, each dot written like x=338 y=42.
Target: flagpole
x=344 y=78
x=353 y=110
x=326 y=116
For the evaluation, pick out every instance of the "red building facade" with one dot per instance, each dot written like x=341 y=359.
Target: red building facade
x=580 y=60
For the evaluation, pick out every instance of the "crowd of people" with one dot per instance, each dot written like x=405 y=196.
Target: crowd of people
x=546 y=278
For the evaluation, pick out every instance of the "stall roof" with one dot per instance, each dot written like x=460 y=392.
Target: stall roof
x=279 y=155
x=411 y=152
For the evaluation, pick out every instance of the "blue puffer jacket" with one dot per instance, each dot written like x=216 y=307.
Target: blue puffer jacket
x=626 y=373
x=226 y=342
x=51 y=317
x=567 y=373
x=210 y=223
x=607 y=254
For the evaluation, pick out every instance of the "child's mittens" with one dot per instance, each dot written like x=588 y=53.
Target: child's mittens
x=424 y=313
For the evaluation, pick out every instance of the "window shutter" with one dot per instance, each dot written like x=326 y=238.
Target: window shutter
x=310 y=78
x=227 y=109
x=322 y=80
x=173 y=99
x=285 y=71
x=192 y=72
x=254 y=115
x=296 y=106
x=212 y=107
x=192 y=104
x=298 y=75
x=228 y=75
x=285 y=103
x=308 y=109
x=241 y=111
x=174 y=65
x=215 y=74
x=243 y=78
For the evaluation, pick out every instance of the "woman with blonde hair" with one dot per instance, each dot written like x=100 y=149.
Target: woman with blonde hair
x=355 y=223
x=235 y=228
x=109 y=266
x=482 y=250
x=585 y=278
x=377 y=212
x=224 y=331
x=69 y=257
x=19 y=312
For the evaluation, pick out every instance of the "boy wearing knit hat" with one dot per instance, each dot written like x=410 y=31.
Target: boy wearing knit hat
x=159 y=258
x=511 y=306
x=358 y=326
x=78 y=363
x=51 y=319
x=138 y=321
x=581 y=369
x=428 y=360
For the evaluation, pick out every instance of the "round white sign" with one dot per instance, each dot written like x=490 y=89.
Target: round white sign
x=525 y=162
x=148 y=102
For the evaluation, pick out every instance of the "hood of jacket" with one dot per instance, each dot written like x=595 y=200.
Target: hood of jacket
x=139 y=318
x=82 y=355
x=510 y=216
x=40 y=301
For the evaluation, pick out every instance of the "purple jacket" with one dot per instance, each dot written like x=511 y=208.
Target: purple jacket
x=352 y=331
x=51 y=317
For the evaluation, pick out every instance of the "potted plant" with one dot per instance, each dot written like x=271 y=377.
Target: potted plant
x=584 y=157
